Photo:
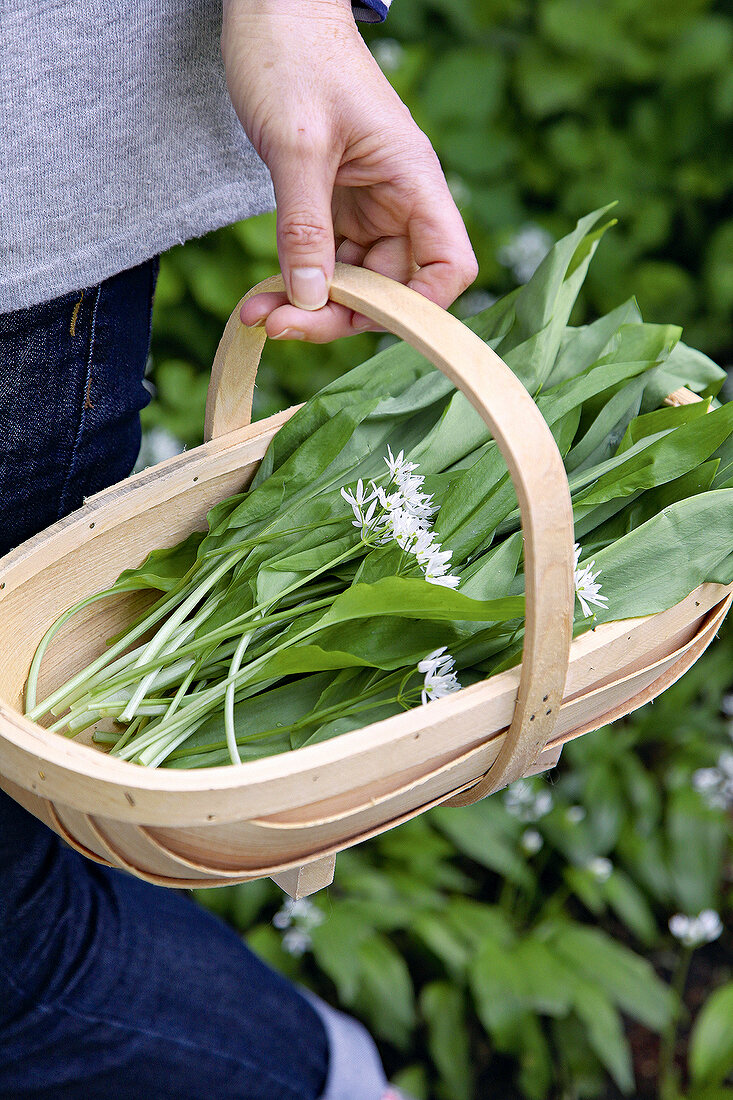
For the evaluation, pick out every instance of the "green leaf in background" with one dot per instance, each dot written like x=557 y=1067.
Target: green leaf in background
x=484 y=833
x=444 y=1010
x=605 y=1033
x=495 y=978
x=385 y=993
x=696 y=836
x=627 y=979
x=711 y=1041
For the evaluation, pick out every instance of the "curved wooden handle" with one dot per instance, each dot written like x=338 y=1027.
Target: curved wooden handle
x=525 y=441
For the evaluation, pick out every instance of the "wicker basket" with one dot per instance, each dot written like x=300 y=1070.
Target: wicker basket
x=288 y=816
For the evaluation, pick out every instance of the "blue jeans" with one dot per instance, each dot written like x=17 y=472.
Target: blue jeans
x=110 y=987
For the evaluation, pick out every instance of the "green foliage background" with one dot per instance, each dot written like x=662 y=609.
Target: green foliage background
x=485 y=969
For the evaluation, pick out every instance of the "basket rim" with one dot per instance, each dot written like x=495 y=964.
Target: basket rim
x=71 y=759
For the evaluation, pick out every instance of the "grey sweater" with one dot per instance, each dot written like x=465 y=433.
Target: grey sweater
x=117 y=138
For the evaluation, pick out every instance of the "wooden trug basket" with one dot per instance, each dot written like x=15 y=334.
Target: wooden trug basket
x=288 y=816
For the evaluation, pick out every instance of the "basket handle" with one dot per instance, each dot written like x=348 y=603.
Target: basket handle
x=530 y=452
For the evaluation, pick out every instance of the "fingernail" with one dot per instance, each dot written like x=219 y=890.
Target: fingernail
x=308 y=287
x=361 y=326
x=289 y=334
x=258 y=323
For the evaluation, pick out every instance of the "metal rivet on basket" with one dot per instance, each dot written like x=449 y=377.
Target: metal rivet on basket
x=90 y=526
x=531 y=717
x=549 y=710
x=195 y=479
x=210 y=817
x=545 y=698
x=129 y=798
x=42 y=774
x=2 y=584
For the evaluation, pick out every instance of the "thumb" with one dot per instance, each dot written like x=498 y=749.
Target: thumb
x=303 y=182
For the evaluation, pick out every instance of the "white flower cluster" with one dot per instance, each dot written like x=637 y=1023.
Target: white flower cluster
x=575 y=814
x=405 y=515
x=695 y=931
x=296 y=920
x=716 y=784
x=587 y=589
x=531 y=841
x=600 y=867
x=524 y=801
x=524 y=253
x=440 y=678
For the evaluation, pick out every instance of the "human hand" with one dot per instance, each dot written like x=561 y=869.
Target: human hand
x=354 y=177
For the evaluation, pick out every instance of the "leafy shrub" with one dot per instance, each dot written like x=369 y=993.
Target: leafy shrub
x=539 y=111
x=498 y=949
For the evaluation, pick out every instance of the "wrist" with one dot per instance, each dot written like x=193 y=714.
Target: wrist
x=299 y=9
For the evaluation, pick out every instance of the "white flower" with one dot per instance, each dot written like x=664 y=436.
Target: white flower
x=525 y=251
x=301 y=912
x=364 y=506
x=524 y=801
x=388 y=54
x=296 y=942
x=600 y=868
x=398 y=467
x=404 y=516
x=543 y=803
x=531 y=841
x=695 y=931
x=440 y=678
x=405 y=529
x=296 y=920
x=433 y=660
x=575 y=814
x=587 y=589
x=716 y=784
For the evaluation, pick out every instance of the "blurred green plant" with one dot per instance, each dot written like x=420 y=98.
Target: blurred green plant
x=539 y=111
x=498 y=949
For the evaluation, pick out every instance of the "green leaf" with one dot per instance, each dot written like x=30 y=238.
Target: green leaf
x=661 y=562
x=605 y=1033
x=711 y=1040
x=162 y=569
x=444 y=1009
x=691 y=828
x=336 y=947
x=547 y=984
x=627 y=979
x=443 y=941
x=385 y=995
x=581 y=347
x=487 y=834
x=493 y=573
x=416 y=599
x=496 y=980
x=630 y=906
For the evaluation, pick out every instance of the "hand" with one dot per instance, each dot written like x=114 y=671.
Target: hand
x=354 y=177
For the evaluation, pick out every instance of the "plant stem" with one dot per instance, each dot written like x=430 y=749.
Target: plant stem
x=667 y=1071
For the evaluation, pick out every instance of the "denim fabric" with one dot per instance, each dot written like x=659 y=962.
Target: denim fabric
x=110 y=987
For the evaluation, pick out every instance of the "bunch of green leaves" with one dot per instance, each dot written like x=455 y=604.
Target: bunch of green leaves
x=498 y=949
x=284 y=601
